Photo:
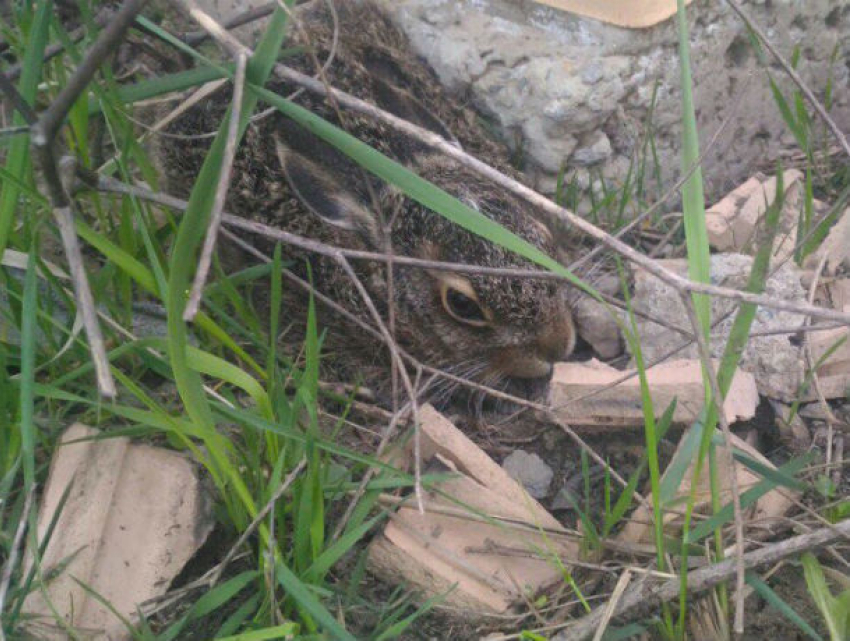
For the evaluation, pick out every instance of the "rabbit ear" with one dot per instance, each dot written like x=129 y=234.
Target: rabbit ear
x=403 y=104
x=323 y=196
x=388 y=80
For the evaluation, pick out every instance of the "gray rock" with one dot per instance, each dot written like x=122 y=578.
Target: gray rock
x=530 y=471
x=774 y=360
x=596 y=151
x=555 y=78
x=598 y=327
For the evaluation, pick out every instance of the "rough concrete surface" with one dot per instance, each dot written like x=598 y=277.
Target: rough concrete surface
x=775 y=360
x=577 y=91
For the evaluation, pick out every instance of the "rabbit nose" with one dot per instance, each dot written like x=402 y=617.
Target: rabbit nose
x=557 y=340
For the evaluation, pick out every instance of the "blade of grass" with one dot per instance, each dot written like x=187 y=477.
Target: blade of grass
x=738 y=337
x=27 y=379
x=18 y=157
x=781 y=606
x=417 y=188
x=309 y=603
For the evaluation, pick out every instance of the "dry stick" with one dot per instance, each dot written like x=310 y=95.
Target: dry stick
x=64 y=217
x=717 y=399
x=104 y=183
x=644 y=596
x=551 y=208
x=816 y=104
x=205 y=260
x=17 y=100
x=831 y=419
x=251 y=15
x=214 y=28
x=215 y=574
x=13 y=131
x=9 y=568
x=43 y=135
x=616 y=595
x=402 y=370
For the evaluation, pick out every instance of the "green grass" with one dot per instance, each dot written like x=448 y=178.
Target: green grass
x=248 y=412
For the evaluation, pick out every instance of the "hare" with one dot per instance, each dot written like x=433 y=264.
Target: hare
x=497 y=331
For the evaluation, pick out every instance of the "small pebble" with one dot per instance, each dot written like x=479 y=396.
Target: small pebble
x=529 y=470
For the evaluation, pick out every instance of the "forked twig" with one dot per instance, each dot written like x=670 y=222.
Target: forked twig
x=43 y=134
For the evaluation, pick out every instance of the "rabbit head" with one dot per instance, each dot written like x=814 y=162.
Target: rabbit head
x=500 y=331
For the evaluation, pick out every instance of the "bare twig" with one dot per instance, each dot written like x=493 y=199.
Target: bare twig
x=645 y=596
x=255 y=13
x=52 y=118
x=792 y=73
x=546 y=205
x=402 y=370
x=717 y=399
x=17 y=100
x=43 y=135
x=220 y=190
x=831 y=419
x=103 y=183
x=216 y=572
x=219 y=33
x=14 y=131
x=12 y=560
x=622 y=584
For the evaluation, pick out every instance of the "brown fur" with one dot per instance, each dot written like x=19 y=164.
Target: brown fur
x=530 y=324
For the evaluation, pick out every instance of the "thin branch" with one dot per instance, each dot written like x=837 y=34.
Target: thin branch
x=104 y=183
x=831 y=419
x=402 y=370
x=12 y=560
x=64 y=217
x=717 y=399
x=14 y=131
x=195 y=38
x=792 y=73
x=225 y=40
x=43 y=134
x=434 y=141
x=646 y=596
x=17 y=100
x=220 y=191
x=215 y=573
x=110 y=37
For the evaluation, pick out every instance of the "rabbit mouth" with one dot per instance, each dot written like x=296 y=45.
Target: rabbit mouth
x=522 y=364
x=528 y=388
x=528 y=368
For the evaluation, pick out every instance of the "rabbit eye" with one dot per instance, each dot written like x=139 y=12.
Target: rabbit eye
x=463 y=308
